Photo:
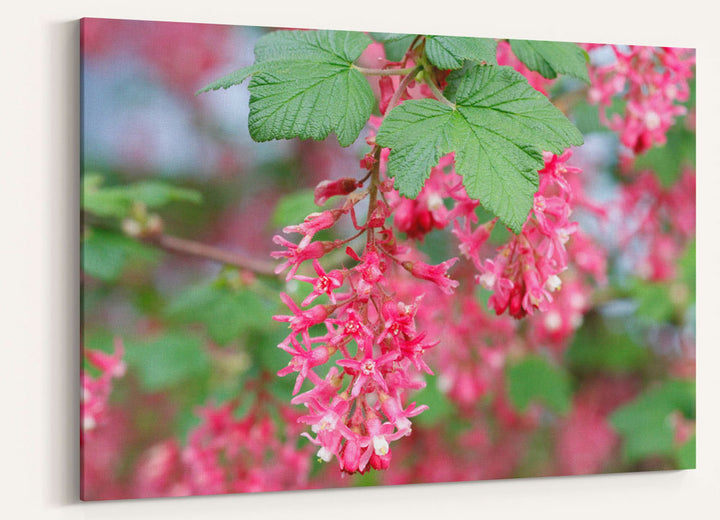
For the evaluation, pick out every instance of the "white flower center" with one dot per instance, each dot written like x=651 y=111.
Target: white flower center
x=553 y=283
x=368 y=367
x=324 y=454
x=487 y=280
x=652 y=120
x=327 y=423
x=380 y=445
x=434 y=202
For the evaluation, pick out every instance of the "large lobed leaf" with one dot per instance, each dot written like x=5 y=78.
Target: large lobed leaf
x=497 y=128
x=304 y=85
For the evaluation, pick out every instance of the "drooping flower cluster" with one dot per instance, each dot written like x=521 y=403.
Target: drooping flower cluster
x=525 y=270
x=353 y=319
x=653 y=82
x=96 y=391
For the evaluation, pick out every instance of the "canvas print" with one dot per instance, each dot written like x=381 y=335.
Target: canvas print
x=321 y=258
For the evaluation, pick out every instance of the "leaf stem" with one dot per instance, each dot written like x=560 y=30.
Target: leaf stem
x=384 y=72
x=373 y=191
x=438 y=94
x=402 y=87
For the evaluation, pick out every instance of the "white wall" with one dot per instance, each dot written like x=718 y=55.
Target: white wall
x=38 y=201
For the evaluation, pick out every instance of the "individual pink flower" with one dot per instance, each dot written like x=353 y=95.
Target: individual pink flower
x=303 y=360
x=324 y=283
x=367 y=369
x=328 y=189
x=312 y=224
x=434 y=273
x=296 y=254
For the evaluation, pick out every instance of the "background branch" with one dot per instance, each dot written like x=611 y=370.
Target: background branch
x=197 y=249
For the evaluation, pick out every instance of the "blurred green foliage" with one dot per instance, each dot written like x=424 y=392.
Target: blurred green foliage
x=599 y=348
x=118 y=201
x=105 y=254
x=646 y=424
x=536 y=380
x=227 y=313
x=170 y=359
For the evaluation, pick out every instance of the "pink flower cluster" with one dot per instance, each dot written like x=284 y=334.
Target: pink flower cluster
x=353 y=320
x=475 y=345
x=587 y=267
x=225 y=454
x=653 y=82
x=96 y=391
x=419 y=216
x=658 y=222
x=564 y=315
x=524 y=271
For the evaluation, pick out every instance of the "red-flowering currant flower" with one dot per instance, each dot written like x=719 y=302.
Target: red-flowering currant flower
x=328 y=189
x=434 y=273
x=368 y=369
x=324 y=284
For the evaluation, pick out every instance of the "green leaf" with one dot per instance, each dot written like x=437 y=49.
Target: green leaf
x=646 y=424
x=497 y=129
x=167 y=361
x=156 y=194
x=535 y=379
x=304 y=85
x=105 y=254
x=226 y=313
x=653 y=300
x=685 y=458
x=440 y=407
x=230 y=80
x=450 y=52
x=597 y=348
x=382 y=37
x=117 y=201
x=552 y=58
x=396 y=45
x=102 y=202
x=669 y=161
x=687 y=266
x=293 y=208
